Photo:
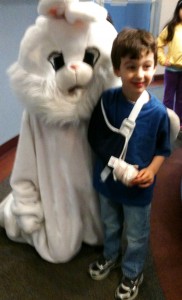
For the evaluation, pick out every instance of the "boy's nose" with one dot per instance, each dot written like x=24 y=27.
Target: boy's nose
x=139 y=73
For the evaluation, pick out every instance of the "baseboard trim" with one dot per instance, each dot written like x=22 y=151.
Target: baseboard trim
x=8 y=145
x=158 y=77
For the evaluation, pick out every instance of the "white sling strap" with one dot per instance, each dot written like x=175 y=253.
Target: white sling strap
x=126 y=128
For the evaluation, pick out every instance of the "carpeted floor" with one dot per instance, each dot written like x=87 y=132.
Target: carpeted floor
x=166 y=224
x=25 y=276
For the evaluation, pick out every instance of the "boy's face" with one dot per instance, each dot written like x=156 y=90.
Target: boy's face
x=136 y=74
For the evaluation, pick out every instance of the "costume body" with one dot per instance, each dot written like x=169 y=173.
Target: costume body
x=173 y=73
x=124 y=207
x=63 y=68
x=46 y=168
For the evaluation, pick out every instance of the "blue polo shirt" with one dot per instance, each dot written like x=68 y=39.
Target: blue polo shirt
x=150 y=137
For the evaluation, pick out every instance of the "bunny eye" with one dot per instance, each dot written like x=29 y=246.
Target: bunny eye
x=57 y=60
x=91 y=56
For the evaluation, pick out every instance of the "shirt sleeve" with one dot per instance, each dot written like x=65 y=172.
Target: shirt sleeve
x=163 y=147
x=161 y=43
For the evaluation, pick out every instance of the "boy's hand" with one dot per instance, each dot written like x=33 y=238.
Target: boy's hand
x=144 y=178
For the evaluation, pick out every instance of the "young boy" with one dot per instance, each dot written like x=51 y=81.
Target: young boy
x=134 y=59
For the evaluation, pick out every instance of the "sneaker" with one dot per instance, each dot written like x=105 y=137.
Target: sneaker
x=128 y=288
x=101 y=268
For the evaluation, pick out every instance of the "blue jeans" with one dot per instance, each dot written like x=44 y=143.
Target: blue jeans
x=131 y=223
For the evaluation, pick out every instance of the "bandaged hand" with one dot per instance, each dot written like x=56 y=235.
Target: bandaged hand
x=123 y=171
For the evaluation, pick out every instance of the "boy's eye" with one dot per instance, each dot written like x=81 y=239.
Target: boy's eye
x=147 y=67
x=131 y=67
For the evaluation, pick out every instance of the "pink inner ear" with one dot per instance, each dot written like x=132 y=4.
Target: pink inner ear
x=53 y=12
x=79 y=23
x=56 y=13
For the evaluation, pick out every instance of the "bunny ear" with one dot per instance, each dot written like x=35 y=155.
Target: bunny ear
x=85 y=12
x=53 y=8
x=72 y=10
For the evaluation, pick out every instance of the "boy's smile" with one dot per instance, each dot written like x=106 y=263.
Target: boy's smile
x=136 y=74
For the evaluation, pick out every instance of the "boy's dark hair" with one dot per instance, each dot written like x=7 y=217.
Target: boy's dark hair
x=132 y=42
x=173 y=22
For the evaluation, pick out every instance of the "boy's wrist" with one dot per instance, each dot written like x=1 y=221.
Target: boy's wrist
x=156 y=164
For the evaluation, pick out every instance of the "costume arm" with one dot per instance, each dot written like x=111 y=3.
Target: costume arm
x=161 y=43
x=24 y=182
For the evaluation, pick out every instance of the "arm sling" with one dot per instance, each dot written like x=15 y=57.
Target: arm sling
x=107 y=140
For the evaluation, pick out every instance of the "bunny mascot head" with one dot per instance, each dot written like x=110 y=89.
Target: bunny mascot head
x=63 y=67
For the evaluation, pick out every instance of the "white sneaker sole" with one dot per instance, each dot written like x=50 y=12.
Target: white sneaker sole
x=119 y=297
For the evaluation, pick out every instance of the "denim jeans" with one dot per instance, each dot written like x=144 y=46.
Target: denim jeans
x=134 y=223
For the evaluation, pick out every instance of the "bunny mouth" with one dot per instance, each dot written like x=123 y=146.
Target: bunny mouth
x=74 y=88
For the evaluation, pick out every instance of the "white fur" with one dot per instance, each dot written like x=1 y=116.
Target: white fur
x=45 y=92
x=53 y=205
x=72 y=10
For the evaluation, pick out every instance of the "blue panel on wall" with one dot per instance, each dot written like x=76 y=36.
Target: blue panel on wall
x=138 y=15
x=118 y=15
x=15 y=17
x=135 y=15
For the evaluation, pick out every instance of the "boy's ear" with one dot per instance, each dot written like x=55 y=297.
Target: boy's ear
x=117 y=73
x=155 y=68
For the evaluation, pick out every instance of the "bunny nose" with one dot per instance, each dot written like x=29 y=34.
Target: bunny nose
x=74 y=66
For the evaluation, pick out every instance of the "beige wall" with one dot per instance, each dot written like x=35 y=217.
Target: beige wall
x=167 y=10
